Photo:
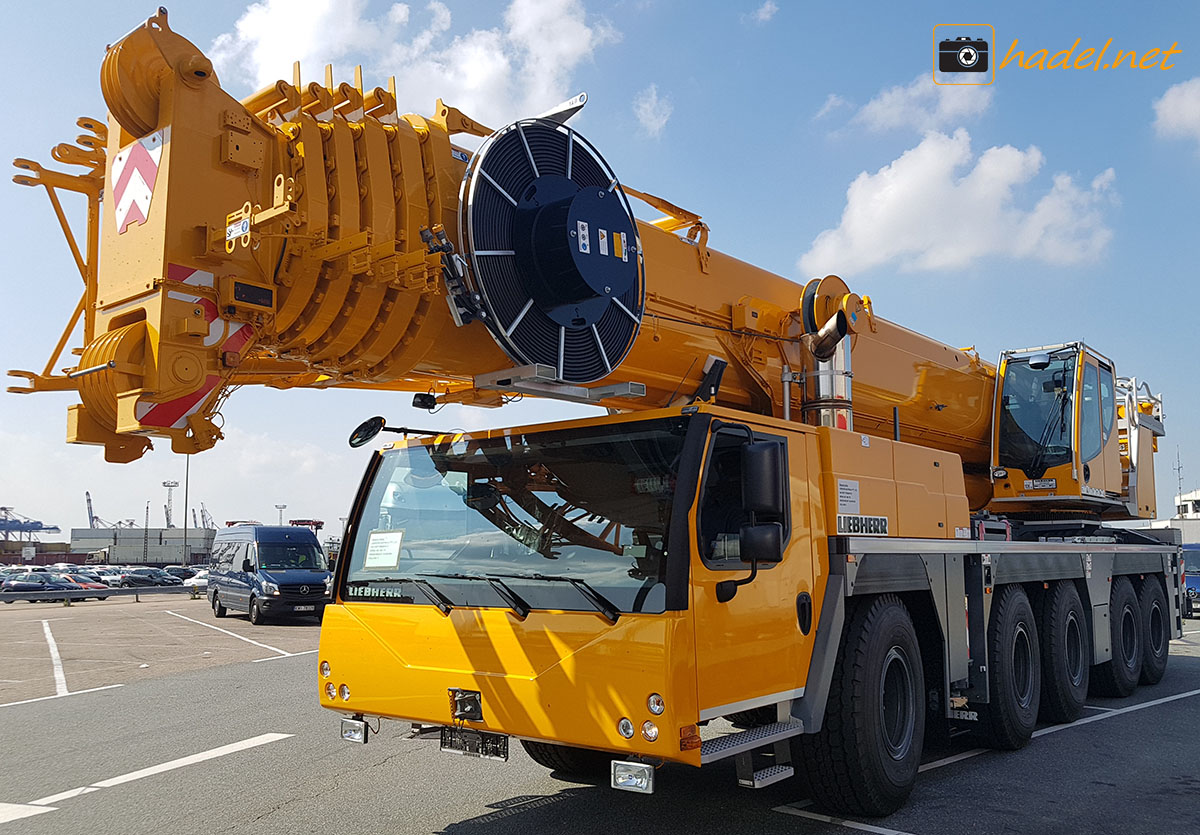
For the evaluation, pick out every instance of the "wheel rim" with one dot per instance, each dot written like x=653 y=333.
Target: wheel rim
x=1157 y=633
x=1022 y=666
x=1074 y=650
x=896 y=704
x=1129 y=630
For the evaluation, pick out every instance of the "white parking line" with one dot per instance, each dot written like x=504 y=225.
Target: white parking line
x=232 y=634
x=1087 y=720
x=16 y=811
x=965 y=755
x=60 y=678
x=192 y=759
x=289 y=655
x=794 y=809
x=72 y=693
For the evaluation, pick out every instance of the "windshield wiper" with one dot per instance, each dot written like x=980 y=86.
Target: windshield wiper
x=443 y=603
x=514 y=600
x=601 y=603
x=1058 y=412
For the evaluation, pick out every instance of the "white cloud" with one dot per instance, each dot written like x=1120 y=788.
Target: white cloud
x=832 y=102
x=923 y=105
x=652 y=112
x=765 y=12
x=940 y=207
x=496 y=75
x=1177 y=113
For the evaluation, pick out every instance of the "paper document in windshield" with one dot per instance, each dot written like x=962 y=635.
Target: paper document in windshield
x=383 y=549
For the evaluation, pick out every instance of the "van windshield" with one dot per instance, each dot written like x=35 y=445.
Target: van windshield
x=284 y=555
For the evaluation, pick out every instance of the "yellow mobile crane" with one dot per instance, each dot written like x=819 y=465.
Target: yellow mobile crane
x=837 y=532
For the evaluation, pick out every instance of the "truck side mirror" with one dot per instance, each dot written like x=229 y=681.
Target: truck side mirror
x=762 y=478
x=762 y=543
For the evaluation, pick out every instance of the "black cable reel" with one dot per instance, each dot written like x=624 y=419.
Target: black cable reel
x=553 y=250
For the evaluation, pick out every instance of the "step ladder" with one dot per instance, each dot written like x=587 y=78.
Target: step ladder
x=764 y=740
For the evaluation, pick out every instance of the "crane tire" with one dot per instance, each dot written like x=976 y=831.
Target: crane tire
x=864 y=760
x=1066 y=654
x=1119 y=676
x=1156 y=635
x=1015 y=670
x=567 y=760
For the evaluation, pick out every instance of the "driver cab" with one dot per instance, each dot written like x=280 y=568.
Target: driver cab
x=1057 y=441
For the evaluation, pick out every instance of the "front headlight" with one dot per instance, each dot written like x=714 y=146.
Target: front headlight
x=269 y=587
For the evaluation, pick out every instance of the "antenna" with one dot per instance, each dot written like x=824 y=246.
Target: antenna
x=1178 y=468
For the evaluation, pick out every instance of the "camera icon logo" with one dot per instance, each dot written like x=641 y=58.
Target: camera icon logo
x=963 y=54
x=962 y=49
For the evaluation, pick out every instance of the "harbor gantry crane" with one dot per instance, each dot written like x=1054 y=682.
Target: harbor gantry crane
x=169 y=506
x=21 y=528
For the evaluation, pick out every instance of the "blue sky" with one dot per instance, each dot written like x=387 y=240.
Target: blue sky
x=1049 y=206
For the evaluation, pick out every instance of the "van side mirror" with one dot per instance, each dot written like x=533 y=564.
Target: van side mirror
x=762 y=478
x=247 y=565
x=762 y=543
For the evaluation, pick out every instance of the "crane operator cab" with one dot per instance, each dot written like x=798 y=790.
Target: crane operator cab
x=1071 y=436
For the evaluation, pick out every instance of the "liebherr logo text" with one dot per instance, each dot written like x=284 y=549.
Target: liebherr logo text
x=863 y=525
x=965 y=715
x=375 y=591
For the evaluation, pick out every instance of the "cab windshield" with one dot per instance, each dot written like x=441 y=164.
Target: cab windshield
x=570 y=519
x=284 y=555
x=1036 y=414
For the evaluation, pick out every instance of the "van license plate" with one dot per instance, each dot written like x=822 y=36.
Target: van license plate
x=475 y=743
x=303 y=608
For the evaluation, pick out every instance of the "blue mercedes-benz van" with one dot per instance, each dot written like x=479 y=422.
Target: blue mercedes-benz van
x=268 y=571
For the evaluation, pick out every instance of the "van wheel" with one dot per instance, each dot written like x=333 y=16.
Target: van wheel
x=256 y=616
x=864 y=759
x=1119 y=677
x=218 y=610
x=1066 y=654
x=1155 y=637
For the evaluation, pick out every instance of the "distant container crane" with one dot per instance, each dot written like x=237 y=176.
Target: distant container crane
x=95 y=521
x=21 y=528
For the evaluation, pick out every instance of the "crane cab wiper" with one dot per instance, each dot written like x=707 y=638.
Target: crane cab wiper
x=601 y=603
x=443 y=603
x=510 y=597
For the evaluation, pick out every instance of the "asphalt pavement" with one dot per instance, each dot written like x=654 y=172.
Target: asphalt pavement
x=240 y=745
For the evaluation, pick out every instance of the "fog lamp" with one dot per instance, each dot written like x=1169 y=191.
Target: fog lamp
x=649 y=731
x=344 y=691
x=633 y=777
x=655 y=704
x=625 y=728
x=330 y=690
x=354 y=730
x=325 y=669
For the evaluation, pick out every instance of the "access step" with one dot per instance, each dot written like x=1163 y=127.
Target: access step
x=766 y=776
x=730 y=745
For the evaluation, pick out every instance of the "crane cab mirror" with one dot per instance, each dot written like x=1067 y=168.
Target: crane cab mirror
x=762 y=543
x=762 y=478
x=366 y=430
x=1039 y=362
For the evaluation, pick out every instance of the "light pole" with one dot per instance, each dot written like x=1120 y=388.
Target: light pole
x=281 y=508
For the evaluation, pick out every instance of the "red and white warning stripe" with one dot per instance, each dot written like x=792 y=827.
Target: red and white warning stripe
x=232 y=337
x=134 y=172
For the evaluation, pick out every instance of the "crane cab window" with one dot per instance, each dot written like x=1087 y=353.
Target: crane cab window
x=722 y=511
x=1107 y=400
x=1090 y=442
x=1036 y=414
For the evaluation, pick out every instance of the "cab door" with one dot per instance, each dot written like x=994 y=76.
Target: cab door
x=748 y=649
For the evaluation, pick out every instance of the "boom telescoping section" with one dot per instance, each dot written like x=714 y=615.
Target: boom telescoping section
x=311 y=235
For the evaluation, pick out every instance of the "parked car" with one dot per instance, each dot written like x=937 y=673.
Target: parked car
x=37 y=581
x=180 y=571
x=148 y=577
x=86 y=582
x=199 y=580
x=109 y=575
x=1191 y=581
x=268 y=571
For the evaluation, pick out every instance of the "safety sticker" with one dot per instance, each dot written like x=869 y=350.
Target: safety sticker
x=462 y=156
x=237 y=229
x=619 y=249
x=1041 y=483
x=383 y=549
x=602 y=237
x=585 y=244
x=847 y=496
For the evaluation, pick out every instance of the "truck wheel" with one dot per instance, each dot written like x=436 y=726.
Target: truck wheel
x=1015 y=670
x=1156 y=640
x=218 y=610
x=1066 y=654
x=256 y=617
x=1119 y=677
x=864 y=759
x=578 y=762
